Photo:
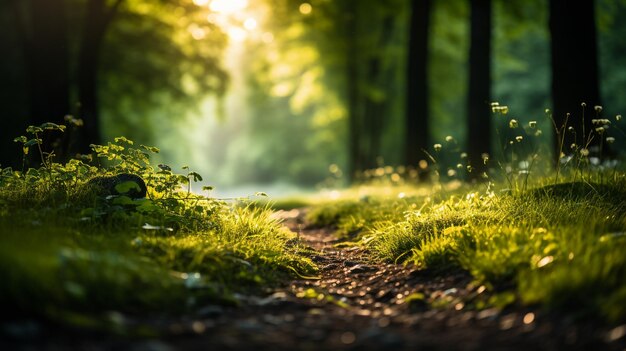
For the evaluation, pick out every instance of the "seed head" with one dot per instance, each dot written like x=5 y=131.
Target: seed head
x=532 y=124
x=437 y=147
x=601 y=121
x=610 y=140
x=519 y=138
x=598 y=108
x=513 y=124
x=449 y=139
x=618 y=117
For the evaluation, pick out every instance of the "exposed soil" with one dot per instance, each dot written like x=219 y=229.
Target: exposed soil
x=356 y=304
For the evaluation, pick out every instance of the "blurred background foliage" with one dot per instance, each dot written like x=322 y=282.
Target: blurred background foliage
x=262 y=92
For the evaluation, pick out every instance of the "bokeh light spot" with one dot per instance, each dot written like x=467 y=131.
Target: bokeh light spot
x=305 y=8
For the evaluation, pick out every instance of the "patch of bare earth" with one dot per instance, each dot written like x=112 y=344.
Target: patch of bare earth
x=356 y=304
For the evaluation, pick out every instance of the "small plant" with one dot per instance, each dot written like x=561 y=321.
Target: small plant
x=528 y=237
x=110 y=231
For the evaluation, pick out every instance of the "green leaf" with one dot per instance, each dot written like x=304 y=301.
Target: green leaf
x=33 y=129
x=151 y=149
x=146 y=205
x=21 y=139
x=123 y=140
x=196 y=177
x=125 y=187
x=32 y=142
x=52 y=126
x=123 y=200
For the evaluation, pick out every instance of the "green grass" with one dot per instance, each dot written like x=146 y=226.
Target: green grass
x=356 y=211
x=51 y=267
x=560 y=245
x=71 y=255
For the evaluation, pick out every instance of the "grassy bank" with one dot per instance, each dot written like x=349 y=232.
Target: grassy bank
x=74 y=253
x=559 y=245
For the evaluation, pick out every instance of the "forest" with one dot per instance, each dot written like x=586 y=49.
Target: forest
x=313 y=174
x=324 y=84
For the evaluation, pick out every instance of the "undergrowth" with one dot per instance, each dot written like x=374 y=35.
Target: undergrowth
x=535 y=237
x=73 y=254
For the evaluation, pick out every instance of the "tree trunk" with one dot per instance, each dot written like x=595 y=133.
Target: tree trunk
x=574 y=70
x=355 y=162
x=46 y=52
x=416 y=138
x=376 y=106
x=479 y=94
x=97 y=19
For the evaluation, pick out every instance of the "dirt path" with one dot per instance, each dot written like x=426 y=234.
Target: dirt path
x=358 y=305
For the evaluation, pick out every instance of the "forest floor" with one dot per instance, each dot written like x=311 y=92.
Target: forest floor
x=354 y=304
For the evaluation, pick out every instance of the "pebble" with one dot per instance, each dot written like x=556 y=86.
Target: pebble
x=362 y=268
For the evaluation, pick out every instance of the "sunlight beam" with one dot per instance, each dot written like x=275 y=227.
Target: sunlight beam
x=228 y=6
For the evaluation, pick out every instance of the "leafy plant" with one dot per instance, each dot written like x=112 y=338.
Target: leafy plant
x=78 y=241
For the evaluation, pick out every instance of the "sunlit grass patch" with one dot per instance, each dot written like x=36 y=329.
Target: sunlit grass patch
x=560 y=245
x=72 y=252
x=553 y=244
x=249 y=247
x=591 y=276
x=358 y=210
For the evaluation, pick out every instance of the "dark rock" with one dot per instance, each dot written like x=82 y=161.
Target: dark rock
x=127 y=184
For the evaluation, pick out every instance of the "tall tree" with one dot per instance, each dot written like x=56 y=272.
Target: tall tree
x=97 y=19
x=46 y=54
x=574 y=70
x=417 y=100
x=13 y=86
x=355 y=153
x=479 y=94
x=376 y=100
x=162 y=53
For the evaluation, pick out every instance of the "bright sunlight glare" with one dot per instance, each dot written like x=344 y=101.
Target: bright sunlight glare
x=200 y=2
x=228 y=6
x=237 y=34
x=250 y=24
